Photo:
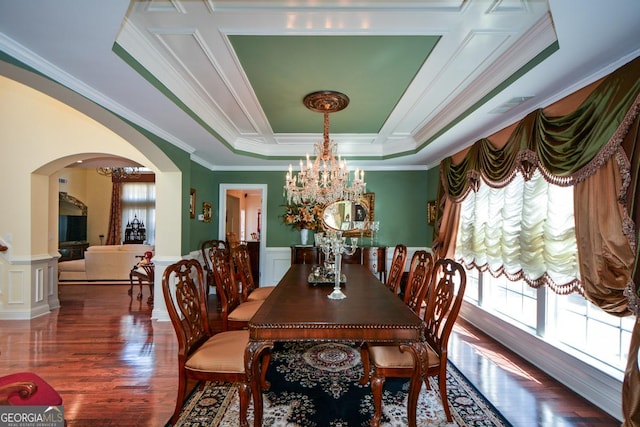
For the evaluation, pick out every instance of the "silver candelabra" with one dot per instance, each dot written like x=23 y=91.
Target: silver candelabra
x=333 y=244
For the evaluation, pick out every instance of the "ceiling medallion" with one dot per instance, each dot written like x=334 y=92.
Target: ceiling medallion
x=325 y=179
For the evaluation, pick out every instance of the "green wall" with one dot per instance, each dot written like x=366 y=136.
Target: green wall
x=202 y=182
x=400 y=205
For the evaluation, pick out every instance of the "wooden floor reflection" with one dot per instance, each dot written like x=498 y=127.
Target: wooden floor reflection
x=113 y=366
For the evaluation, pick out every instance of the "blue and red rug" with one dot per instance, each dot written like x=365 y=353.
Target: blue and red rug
x=316 y=385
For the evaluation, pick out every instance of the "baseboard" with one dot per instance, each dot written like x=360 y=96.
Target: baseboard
x=95 y=282
x=591 y=383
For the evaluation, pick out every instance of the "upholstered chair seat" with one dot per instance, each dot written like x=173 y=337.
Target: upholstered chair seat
x=390 y=355
x=244 y=311
x=220 y=353
x=260 y=294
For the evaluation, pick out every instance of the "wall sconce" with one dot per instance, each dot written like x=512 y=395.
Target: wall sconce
x=206 y=211
x=192 y=203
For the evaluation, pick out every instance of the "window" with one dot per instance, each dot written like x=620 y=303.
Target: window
x=524 y=230
x=571 y=323
x=587 y=329
x=524 y=234
x=516 y=300
x=139 y=201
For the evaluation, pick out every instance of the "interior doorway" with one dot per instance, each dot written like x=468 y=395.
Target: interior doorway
x=242 y=209
x=234 y=215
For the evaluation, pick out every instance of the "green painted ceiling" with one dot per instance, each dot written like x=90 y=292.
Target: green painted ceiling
x=373 y=71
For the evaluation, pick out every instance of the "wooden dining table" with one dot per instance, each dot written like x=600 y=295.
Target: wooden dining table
x=299 y=311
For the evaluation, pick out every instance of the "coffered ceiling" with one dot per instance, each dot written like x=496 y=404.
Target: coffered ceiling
x=225 y=80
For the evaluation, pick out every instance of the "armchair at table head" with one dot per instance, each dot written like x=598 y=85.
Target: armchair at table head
x=444 y=298
x=202 y=356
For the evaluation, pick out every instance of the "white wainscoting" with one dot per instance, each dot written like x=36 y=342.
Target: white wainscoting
x=278 y=260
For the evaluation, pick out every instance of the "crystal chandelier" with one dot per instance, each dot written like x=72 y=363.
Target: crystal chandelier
x=120 y=173
x=326 y=179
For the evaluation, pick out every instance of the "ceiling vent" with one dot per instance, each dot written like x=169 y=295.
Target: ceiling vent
x=510 y=104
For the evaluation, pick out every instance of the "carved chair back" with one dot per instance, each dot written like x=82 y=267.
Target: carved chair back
x=449 y=281
x=418 y=281
x=207 y=249
x=232 y=239
x=398 y=264
x=149 y=271
x=242 y=262
x=201 y=355
x=183 y=286
x=224 y=277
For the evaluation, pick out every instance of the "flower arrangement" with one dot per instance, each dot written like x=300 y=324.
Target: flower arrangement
x=303 y=216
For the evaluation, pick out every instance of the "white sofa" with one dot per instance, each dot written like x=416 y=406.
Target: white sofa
x=103 y=262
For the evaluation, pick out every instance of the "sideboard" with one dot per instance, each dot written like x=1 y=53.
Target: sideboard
x=374 y=257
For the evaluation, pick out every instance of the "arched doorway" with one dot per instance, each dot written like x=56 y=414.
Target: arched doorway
x=43 y=134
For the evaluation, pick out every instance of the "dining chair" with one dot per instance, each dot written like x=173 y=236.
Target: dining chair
x=207 y=249
x=419 y=275
x=202 y=355
x=242 y=262
x=144 y=273
x=234 y=313
x=447 y=286
x=417 y=287
x=398 y=264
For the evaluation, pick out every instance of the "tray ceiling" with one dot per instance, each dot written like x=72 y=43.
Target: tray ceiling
x=225 y=80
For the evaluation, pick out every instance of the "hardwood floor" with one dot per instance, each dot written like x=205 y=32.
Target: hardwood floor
x=113 y=366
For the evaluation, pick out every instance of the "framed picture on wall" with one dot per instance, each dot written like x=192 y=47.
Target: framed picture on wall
x=431 y=212
x=192 y=203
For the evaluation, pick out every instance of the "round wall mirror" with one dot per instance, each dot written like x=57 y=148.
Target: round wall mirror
x=350 y=217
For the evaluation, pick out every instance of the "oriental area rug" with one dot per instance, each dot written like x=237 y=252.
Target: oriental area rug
x=314 y=385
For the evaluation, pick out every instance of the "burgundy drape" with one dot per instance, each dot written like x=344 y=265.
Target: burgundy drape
x=115 y=215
